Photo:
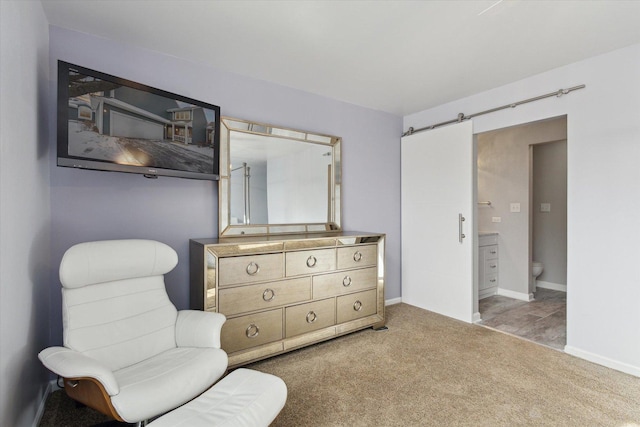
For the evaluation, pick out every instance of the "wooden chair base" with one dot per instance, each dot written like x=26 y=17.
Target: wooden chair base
x=91 y=393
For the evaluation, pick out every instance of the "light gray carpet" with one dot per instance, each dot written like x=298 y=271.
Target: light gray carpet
x=429 y=370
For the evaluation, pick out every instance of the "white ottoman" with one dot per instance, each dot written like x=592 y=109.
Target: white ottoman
x=242 y=398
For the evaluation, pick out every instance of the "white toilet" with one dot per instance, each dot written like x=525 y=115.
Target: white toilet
x=536 y=270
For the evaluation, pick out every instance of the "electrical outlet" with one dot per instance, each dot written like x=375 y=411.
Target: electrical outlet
x=545 y=207
x=514 y=207
x=496 y=219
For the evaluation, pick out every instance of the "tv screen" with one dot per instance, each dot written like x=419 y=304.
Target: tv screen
x=109 y=123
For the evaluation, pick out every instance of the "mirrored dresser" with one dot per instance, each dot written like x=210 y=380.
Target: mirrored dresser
x=286 y=292
x=282 y=269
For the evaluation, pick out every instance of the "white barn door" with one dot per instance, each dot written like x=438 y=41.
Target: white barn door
x=437 y=210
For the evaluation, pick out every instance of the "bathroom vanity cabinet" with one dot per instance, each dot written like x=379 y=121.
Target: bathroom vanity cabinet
x=280 y=293
x=487 y=265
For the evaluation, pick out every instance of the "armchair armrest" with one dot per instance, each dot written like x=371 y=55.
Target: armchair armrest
x=70 y=364
x=199 y=328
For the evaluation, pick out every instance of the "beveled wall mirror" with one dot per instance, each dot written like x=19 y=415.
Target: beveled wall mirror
x=275 y=180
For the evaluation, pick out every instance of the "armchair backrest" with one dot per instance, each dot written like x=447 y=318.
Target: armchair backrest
x=115 y=307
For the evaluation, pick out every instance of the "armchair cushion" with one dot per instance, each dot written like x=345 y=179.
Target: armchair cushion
x=198 y=328
x=159 y=384
x=92 y=262
x=119 y=323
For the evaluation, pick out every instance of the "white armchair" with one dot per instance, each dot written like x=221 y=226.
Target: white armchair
x=128 y=352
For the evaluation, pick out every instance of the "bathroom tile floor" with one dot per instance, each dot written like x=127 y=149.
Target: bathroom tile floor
x=542 y=321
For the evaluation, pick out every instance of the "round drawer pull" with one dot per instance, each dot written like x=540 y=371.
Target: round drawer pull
x=311 y=316
x=357 y=306
x=312 y=261
x=268 y=294
x=252 y=269
x=346 y=281
x=252 y=331
x=357 y=256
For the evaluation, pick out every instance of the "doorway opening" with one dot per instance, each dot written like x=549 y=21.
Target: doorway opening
x=521 y=217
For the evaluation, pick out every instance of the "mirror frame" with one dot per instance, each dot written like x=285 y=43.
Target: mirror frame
x=226 y=229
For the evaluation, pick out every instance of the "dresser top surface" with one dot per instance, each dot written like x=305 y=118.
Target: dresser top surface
x=341 y=238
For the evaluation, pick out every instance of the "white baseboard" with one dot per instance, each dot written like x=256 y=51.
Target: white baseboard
x=486 y=293
x=516 y=295
x=551 y=285
x=393 y=301
x=51 y=387
x=604 y=361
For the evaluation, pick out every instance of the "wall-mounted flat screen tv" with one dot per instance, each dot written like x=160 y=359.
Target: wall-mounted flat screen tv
x=113 y=124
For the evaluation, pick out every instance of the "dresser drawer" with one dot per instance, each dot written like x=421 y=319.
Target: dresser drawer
x=490 y=252
x=250 y=269
x=251 y=330
x=310 y=262
x=328 y=285
x=262 y=296
x=489 y=281
x=357 y=256
x=354 y=306
x=309 y=317
x=490 y=266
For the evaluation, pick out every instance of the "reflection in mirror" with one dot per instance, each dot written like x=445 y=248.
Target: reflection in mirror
x=284 y=181
x=276 y=180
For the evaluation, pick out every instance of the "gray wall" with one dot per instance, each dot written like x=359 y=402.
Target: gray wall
x=503 y=178
x=550 y=228
x=90 y=205
x=24 y=209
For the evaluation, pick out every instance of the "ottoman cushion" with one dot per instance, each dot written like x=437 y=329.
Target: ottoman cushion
x=243 y=398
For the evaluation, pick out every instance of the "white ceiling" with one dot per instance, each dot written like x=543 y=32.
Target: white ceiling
x=395 y=56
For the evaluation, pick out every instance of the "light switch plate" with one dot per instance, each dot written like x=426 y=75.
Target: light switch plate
x=545 y=207
x=514 y=207
x=496 y=219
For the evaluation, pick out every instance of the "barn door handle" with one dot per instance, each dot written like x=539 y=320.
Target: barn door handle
x=460 y=233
